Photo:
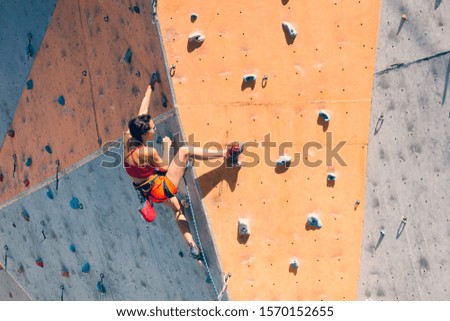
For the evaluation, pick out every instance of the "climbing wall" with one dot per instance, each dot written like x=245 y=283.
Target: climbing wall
x=72 y=231
x=329 y=66
x=406 y=246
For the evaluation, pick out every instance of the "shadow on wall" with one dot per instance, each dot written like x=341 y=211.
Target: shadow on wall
x=211 y=179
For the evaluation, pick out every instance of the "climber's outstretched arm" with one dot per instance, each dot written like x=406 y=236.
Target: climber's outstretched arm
x=143 y=110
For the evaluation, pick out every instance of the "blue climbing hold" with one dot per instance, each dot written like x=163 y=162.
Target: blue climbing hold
x=100 y=287
x=128 y=55
x=136 y=9
x=50 y=194
x=75 y=203
x=61 y=100
x=72 y=248
x=48 y=149
x=86 y=268
x=29 y=162
x=30 y=84
x=25 y=215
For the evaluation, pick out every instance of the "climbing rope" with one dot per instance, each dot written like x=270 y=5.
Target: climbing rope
x=218 y=295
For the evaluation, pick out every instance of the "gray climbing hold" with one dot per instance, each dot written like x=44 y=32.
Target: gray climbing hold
x=30 y=84
x=128 y=55
x=331 y=177
x=196 y=37
x=86 y=267
x=289 y=28
x=72 y=248
x=283 y=160
x=313 y=220
x=61 y=100
x=249 y=78
x=324 y=115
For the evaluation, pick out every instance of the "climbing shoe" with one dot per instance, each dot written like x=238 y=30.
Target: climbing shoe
x=194 y=252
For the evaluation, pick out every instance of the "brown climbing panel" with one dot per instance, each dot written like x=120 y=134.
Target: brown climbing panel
x=82 y=58
x=329 y=66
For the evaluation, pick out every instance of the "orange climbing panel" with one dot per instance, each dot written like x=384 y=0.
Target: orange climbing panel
x=329 y=65
x=83 y=61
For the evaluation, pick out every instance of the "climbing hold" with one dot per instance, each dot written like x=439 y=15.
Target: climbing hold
x=106 y=18
x=25 y=215
x=61 y=100
x=404 y=219
x=48 y=149
x=11 y=133
x=26 y=182
x=294 y=263
x=404 y=17
x=194 y=17
x=50 y=194
x=86 y=268
x=100 y=287
x=72 y=248
x=185 y=202
x=136 y=9
x=357 y=204
x=243 y=227
x=75 y=203
x=30 y=50
x=39 y=262
x=30 y=84
x=324 y=115
x=313 y=220
x=249 y=78
x=164 y=101
x=196 y=37
x=29 y=162
x=128 y=55
x=289 y=28
x=138 y=73
x=1 y=177
x=382 y=233
x=155 y=79
x=283 y=160
x=84 y=73
x=331 y=177
x=159 y=140
x=65 y=273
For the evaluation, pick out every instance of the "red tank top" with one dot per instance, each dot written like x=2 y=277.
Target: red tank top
x=138 y=171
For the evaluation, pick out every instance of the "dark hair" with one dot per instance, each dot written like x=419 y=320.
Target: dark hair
x=139 y=126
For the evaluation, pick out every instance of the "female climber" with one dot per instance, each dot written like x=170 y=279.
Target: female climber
x=153 y=176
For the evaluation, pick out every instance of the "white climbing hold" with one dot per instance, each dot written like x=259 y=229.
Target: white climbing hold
x=290 y=29
x=196 y=37
x=283 y=160
x=243 y=227
x=314 y=220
